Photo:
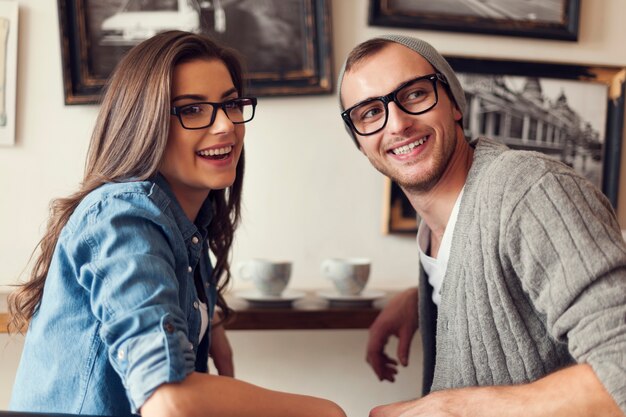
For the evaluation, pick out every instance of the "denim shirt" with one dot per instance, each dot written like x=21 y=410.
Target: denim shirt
x=120 y=312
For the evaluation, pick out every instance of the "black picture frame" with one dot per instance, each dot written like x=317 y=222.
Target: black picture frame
x=579 y=150
x=300 y=65
x=512 y=18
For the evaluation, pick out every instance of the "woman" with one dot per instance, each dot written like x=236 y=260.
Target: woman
x=122 y=291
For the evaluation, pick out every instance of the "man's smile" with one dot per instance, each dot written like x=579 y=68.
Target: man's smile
x=404 y=149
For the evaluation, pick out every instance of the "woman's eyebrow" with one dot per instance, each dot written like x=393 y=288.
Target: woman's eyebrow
x=229 y=92
x=188 y=97
x=200 y=97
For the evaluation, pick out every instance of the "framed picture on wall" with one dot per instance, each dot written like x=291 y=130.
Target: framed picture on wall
x=546 y=19
x=8 y=70
x=573 y=113
x=285 y=44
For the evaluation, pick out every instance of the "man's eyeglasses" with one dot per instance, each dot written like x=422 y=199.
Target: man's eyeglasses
x=202 y=114
x=416 y=96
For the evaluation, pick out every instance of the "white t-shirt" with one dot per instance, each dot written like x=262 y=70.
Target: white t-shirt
x=204 y=319
x=435 y=268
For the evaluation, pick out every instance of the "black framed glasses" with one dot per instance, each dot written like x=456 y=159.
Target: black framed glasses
x=416 y=96
x=201 y=115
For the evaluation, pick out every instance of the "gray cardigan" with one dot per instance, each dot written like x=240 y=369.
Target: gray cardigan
x=536 y=278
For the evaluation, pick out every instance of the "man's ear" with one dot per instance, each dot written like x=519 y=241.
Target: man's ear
x=457 y=114
x=355 y=140
x=358 y=145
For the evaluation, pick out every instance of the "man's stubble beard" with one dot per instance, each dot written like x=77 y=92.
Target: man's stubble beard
x=428 y=180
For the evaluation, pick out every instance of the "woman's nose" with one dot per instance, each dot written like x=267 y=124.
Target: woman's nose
x=222 y=123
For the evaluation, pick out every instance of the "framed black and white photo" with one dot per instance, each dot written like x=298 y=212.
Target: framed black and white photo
x=546 y=19
x=8 y=70
x=572 y=113
x=285 y=45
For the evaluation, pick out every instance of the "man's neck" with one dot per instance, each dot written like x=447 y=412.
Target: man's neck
x=435 y=205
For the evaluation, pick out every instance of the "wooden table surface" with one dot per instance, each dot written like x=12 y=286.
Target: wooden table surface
x=310 y=312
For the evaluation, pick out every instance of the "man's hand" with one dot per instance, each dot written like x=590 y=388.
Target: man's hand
x=399 y=318
x=220 y=350
x=432 y=405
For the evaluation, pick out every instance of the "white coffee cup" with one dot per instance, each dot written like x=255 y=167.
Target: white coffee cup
x=269 y=277
x=349 y=275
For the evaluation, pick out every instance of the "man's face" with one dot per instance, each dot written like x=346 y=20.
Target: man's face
x=412 y=150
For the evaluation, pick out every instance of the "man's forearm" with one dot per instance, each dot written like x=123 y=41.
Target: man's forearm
x=574 y=391
x=570 y=392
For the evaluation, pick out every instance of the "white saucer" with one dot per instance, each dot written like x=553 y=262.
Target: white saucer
x=255 y=297
x=367 y=296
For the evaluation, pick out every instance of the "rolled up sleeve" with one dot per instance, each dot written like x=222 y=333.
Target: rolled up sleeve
x=131 y=277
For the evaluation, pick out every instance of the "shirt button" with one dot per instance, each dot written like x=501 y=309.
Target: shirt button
x=190 y=346
x=120 y=354
x=195 y=240
x=169 y=327
x=195 y=305
x=189 y=269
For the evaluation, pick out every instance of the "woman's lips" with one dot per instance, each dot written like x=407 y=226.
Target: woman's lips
x=216 y=153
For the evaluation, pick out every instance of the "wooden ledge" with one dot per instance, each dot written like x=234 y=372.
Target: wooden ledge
x=4 y=321
x=308 y=313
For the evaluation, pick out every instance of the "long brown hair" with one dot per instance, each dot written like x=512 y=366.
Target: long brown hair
x=128 y=142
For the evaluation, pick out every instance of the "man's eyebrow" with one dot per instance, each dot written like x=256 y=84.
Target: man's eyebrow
x=400 y=84
x=365 y=100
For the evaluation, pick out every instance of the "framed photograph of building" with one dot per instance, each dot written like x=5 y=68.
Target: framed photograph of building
x=546 y=19
x=285 y=44
x=572 y=113
x=8 y=70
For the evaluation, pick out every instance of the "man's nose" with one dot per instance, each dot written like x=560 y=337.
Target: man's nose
x=397 y=119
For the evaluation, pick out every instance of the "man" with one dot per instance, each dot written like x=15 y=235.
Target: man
x=522 y=294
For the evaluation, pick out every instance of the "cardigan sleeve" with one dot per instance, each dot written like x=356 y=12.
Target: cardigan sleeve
x=565 y=244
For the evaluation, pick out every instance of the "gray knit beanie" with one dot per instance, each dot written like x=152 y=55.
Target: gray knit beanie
x=431 y=55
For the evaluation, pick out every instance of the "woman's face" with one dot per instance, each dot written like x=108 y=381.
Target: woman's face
x=198 y=161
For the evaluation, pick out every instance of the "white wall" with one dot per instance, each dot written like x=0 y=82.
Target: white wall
x=308 y=193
